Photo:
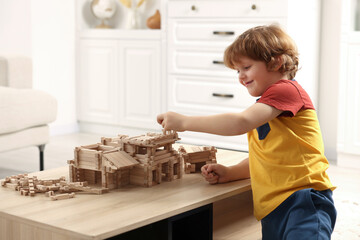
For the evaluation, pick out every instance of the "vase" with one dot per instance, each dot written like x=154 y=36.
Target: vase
x=133 y=19
x=154 y=22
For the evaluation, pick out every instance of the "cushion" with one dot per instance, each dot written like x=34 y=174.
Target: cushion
x=25 y=108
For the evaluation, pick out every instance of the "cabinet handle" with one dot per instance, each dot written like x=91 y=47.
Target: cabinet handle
x=253 y=7
x=193 y=7
x=223 y=33
x=218 y=62
x=223 y=95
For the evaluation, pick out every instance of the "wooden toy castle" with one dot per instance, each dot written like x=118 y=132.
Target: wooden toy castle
x=143 y=160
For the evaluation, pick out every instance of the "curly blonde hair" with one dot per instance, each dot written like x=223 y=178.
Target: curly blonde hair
x=270 y=44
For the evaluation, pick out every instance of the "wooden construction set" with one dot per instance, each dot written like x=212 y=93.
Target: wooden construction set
x=144 y=160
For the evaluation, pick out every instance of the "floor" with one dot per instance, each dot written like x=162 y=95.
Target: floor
x=60 y=149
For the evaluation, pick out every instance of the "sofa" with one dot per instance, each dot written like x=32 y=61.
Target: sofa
x=25 y=113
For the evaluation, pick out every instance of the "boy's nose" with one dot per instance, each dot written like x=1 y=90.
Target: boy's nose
x=241 y=76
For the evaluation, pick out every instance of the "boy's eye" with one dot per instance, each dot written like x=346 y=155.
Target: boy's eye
x=247 y=67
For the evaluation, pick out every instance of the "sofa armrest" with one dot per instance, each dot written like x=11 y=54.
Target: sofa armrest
x=15 y=71
x=25 y=108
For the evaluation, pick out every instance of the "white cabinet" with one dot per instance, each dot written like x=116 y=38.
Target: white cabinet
x=349 y=99
x=198 y=32
x=352 y=100
x=348 y=145
x=139 y=90
x=97 y=85
x=119 y=78
x=118 y=71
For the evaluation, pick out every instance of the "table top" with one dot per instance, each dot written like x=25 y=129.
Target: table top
x=121 y=210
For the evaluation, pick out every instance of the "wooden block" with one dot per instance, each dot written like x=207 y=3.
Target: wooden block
x=198 y=160
x=211 y=161
x=161 y=152
x=166 y=155
x=24 y=192
x=91 y=146
x=49 y=193
x=54 y=188
x=90 y=190
x=42 y=188
x=14 y=181
x=203 y=154
x=192 y=168
x=137 y=180
x=62 y=196
x=11 y=185
x=142 y=156
x=107 y=148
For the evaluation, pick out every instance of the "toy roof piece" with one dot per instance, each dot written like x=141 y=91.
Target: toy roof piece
x=119 y=159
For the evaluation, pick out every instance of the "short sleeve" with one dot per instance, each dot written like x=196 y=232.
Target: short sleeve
x=287 y=96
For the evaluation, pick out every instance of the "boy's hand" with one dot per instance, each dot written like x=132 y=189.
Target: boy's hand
x=215 y=173
x=172 y=121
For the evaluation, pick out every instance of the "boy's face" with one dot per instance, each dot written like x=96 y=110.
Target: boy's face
x=255 y=76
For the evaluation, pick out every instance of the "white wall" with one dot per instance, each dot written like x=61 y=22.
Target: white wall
x=15 y=27
x=45 y=31
x=53 y=52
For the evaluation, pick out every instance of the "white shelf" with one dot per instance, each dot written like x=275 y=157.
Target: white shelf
x=145 y=34
x=87 y=21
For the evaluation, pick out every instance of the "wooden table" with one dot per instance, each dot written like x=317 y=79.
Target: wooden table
x=103 y=216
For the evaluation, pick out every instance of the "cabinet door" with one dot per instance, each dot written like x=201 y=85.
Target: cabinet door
x=139 y=83
x=348 y=148
x=97 y=81
x=352 y=101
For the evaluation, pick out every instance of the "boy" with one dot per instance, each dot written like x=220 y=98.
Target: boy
x=292 y=193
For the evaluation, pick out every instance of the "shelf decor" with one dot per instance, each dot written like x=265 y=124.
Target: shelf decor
x=133 y=17
x=103 y=10
x=154 y=22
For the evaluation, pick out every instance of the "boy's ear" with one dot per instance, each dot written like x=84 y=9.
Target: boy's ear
x=278 y=63
x=275 y=63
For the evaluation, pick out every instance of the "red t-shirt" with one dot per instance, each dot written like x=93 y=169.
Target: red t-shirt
x=288 y=96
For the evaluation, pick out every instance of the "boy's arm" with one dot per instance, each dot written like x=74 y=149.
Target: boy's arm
x=240 y=170
x=217 y=173
x=227 y=124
